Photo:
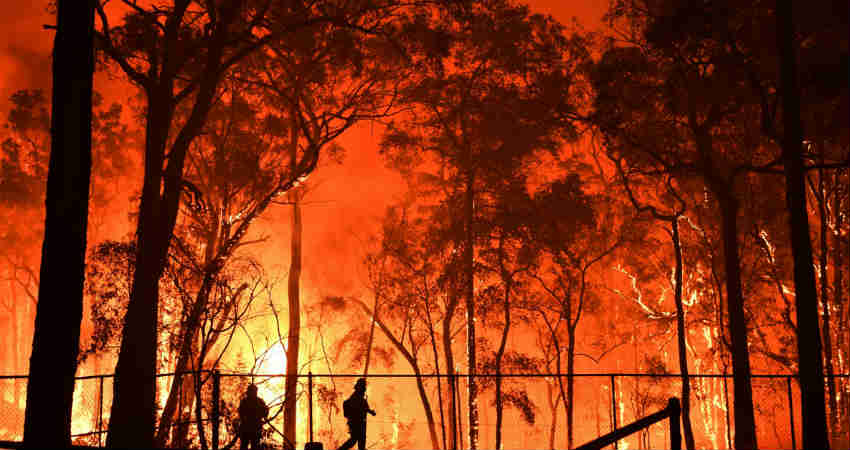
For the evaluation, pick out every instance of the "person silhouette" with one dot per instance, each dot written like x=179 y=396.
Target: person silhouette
x=252 y=412
x=354 y=409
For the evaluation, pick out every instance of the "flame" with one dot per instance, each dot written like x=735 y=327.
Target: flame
x=273 y=362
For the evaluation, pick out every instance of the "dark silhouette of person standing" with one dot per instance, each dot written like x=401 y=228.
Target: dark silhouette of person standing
x=354 y=409
x=252 y=412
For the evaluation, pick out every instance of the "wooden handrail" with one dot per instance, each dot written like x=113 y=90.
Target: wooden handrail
x=672 y=411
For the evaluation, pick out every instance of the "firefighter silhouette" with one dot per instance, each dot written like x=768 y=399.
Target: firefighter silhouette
x=252 y=412
x=354 y=408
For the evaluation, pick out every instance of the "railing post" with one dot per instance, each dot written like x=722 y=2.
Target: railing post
x=791 y=414
x=613 y=408
x=216 y=413
x=310 y=401
x=675 y=432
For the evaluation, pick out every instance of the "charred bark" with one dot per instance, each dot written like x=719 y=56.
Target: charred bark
x=809 y=350
x=56 y=335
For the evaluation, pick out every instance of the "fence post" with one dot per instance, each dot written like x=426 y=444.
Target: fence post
x=675 y=432
x=791 y=414
x=216 y=413
x=310 y=401
x=613 y=409
x=100 y=414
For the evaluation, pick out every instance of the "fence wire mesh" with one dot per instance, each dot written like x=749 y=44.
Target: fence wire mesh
x=412 y=412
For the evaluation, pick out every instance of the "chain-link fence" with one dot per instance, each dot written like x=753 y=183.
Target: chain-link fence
x=431 y=411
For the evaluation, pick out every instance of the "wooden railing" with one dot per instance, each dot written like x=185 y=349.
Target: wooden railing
x=672 y=412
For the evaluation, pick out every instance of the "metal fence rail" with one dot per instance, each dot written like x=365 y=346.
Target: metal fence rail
x=629 y=397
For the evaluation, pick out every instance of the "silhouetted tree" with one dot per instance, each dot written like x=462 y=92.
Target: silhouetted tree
x=479 y=107
x=576 y=231
x=59 y=311
x=673 y=217
x=661 y=109
x=321 y=82
x=178 y=54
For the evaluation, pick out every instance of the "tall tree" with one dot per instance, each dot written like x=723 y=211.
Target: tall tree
x=480 y=107
x=577 y=231
x=655 y=93
x=59 y=310
x=156 y=56
x=506 y=255
x=178 y=54
x=322 y=81
x=809 y=348
x=673 y=217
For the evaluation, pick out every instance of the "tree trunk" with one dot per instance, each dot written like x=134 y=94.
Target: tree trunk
x=450 y=366
x=133 y=413
x=188 y=343
x=571 y=361
x=59 y=312
x=133 y=417
x=433 y=337
x=499 y=354
x=426 y=405
x=469 y=294
x=412 y=360
x=809 y=350
x=681 y=339
x=822 y=200
x=745 y=427
x=553 y=405
x=180 y=432
x=199 y=415
x=840 y=426
x=293 y=340
x=189 y=331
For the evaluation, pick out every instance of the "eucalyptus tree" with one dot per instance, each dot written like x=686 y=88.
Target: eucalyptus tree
x=232 y=167
x=320 y=83
x=59 y=311
x=753 y=76
x=178 y=54
x=404 y=281
x=507 y=255
x=677 y=209
x=576 y=231
x=662 y=110
x=500 y=88
x=250 y=153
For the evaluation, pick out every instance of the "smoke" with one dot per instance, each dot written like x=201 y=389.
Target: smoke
x=25 y=53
